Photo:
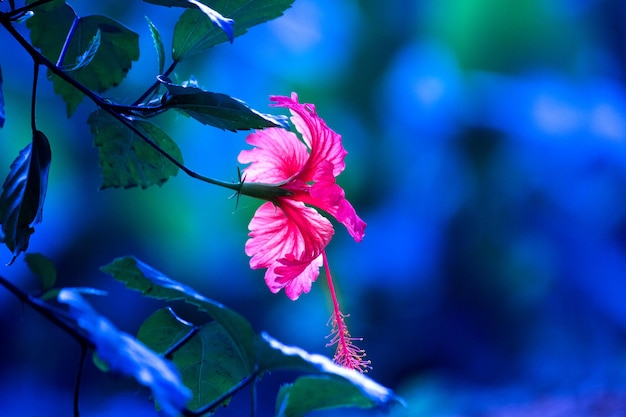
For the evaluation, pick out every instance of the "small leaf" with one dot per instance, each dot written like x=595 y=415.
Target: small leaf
x=24 y=192
x=158 y=44
x=217 y=19
x=2 y=116
x=125 y=158
x=216 y=109
x=43 y=267
x=138 y=276
x=86 y=57
x=126 y=355
x=118 y=48
x=318 y=392
x=193 y=33
x=209 y=362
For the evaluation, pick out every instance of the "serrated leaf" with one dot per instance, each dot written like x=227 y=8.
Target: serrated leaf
x=126 y=355
x=318 y=392
x=216 y=109
x=138 y=276
x=126 y=160
x=272 y=355
x=193 y=33
x=209 y=362
x=24 y=192
x=86 y=57
x=225 y=24
x=43 y=267
x=119 y=47
x=158 y=44
x=2 y=116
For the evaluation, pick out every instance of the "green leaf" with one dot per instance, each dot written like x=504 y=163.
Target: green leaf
x=216 y=109
x=158 y=44
x=217 y=19
x=274 y=355
x=194 y=33
x=86 y=57
x=43 y=267
x=138 y=276
x=111 y=62
x=124 y=354
x=209 y=362
x=24 y=192
x=319 y=392
x=125 y=158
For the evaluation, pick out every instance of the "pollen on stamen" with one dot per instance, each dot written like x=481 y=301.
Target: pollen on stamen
x=347 y=354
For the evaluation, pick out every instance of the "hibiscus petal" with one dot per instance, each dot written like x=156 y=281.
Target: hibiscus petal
x=327 y=195
x=277 y=156
x=324 y=143
x=288 y=240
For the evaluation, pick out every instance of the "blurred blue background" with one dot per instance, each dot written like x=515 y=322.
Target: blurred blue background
x=487 y=154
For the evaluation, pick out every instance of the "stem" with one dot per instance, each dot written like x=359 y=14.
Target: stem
x=336 y=312
x=34 y=97
x=153 y=87
x=79 y=375
x=216 y=402
x=172 y=349
x=23 y=9
x=51 y=313
x=68 y=39
x=108 y=107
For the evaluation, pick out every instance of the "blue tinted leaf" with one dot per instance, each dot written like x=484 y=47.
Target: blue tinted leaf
x=86 y=57
x=318 y=392
x=24 y=192
x=216 y=109
x=158 y=45
x=193 y=33
x=124 y=354
x=139 y=276
x=274 y=355
x=2 y=117
x=216 y=18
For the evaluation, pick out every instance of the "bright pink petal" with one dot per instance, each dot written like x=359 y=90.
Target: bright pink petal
x=323 y=142
x=277 y=156
x=327 y=195
x=288 y=240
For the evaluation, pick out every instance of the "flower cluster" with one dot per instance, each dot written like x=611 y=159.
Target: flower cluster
x=288 y=236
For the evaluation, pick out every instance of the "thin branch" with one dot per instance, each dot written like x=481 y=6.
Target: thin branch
x=33 y=99
x=21 y=10
x=50 y=312
x=183 y=340
x=79 y=374
x=68 y=39
x=154 y=86
x=109 y=108
x=210 y=407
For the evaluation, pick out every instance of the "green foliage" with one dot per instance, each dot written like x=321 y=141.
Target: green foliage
x=125 y=158
x=318 y=392
x=43 y=267
x=57 y=25
x=216 y=109
x=24 y=192
x=193 y=33
x=86 y=57
x=124 y=354
x=158 y=45
x=217 y=355
x=138 y=276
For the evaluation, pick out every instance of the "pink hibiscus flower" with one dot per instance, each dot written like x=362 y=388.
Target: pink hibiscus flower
x=288 y=236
